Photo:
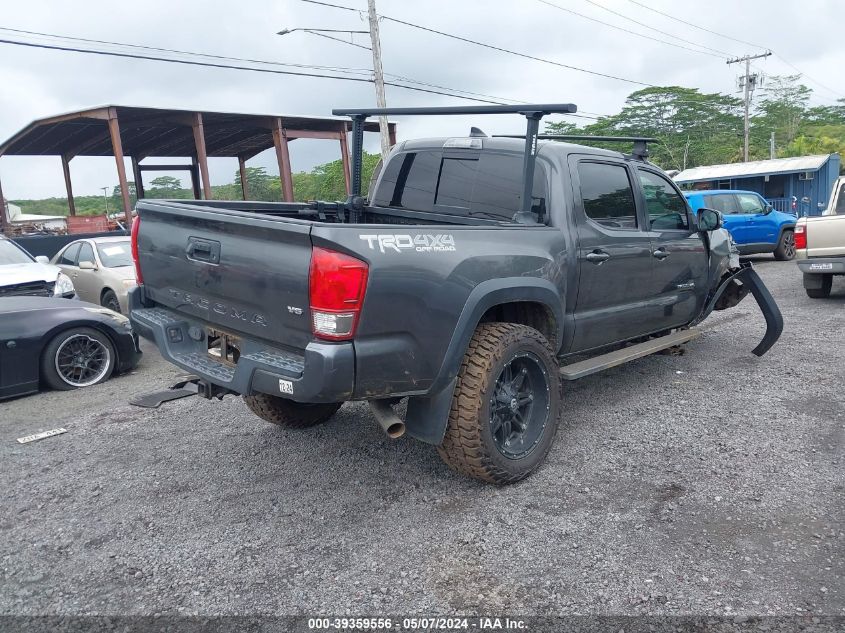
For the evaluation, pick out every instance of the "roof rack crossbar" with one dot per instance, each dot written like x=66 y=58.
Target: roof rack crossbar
x=533 y=113
x=640 y=142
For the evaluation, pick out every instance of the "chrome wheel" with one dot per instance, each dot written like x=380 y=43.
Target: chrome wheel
x=519 y=408
x=81 y=360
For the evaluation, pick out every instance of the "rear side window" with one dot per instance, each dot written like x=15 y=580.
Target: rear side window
x=68 y=258
x=723 y=202
x=607 y=195
x=483 y=185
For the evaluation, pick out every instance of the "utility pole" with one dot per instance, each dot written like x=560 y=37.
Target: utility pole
x=772 y=145
x=378 y=76
x=106 y=198
x=749 y=83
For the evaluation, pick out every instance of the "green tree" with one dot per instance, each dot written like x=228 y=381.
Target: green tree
x=692 y=128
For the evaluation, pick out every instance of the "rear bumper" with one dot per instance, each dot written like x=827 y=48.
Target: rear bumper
x=822 y=266
x=322 y=372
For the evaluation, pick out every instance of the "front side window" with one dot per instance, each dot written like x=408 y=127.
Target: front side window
x=115 y=254
x=724 y=202
x=68 y=257
x=666 y=208
x=607 y=195
x=86 y=253
x=11 y=254
x=749 y=203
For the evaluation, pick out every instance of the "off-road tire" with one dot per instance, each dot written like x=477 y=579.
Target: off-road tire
x=785 y=250
x=468 y=445
x=289 y=414
x=824 y=291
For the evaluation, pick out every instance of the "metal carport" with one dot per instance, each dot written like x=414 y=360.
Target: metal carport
x=142 y=132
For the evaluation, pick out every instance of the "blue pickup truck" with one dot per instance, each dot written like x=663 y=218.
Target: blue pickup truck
x=755 y=226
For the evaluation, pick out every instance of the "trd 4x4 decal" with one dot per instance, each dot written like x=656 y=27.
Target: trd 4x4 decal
x=440 y=243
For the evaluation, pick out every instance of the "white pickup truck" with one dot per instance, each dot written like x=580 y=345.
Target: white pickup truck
x=820 y=244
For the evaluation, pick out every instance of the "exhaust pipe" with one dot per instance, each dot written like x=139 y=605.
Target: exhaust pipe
x=391 y=423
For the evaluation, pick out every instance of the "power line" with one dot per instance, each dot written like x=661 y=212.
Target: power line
x=233 y=67
x=721 y=54
x=728 y=37
x=490 y=46
x=180 y=52
x=518 y=54
x=700 y=28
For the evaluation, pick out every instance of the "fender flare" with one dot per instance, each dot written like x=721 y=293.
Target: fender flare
x=428 y=415
x=784 y=227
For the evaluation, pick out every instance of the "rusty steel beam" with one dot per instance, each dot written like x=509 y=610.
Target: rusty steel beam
x=280 y=142
x=195 y=178
x=66 y=169
x=344 y=157
x=202 y=158
x=244 y=186
x=117 y=147
x=391 y=131
x=319 y=134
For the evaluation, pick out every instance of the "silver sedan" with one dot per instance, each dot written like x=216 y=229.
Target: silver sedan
x=101 y=269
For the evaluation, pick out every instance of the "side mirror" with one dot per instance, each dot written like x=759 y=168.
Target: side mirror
x=42 y=259
x=768 y=209
x=709 y=220
x=86 y=265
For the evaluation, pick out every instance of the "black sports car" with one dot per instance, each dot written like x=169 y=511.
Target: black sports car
x=62 y=343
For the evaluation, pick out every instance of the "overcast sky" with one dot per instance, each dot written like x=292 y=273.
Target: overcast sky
x=38 y=83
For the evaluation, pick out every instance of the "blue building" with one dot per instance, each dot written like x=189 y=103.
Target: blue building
x=799 y=185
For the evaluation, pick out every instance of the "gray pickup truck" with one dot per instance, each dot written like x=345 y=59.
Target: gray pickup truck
x=481 y=273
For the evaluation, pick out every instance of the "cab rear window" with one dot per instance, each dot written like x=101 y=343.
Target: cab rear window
x=478 y=184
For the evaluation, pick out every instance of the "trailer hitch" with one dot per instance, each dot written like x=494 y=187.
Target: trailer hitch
x=734 y=288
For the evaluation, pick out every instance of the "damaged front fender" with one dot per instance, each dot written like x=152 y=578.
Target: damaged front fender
x=733 y=289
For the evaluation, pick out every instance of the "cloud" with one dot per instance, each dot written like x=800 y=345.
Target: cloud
x=39 y=83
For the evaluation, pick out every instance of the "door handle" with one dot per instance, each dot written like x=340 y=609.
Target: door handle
x=597 y=257
x=200 y=250
x=661 y=253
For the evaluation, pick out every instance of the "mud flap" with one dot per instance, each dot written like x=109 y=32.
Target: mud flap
x=749 y=279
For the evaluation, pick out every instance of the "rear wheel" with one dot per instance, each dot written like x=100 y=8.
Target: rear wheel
x=824 y=291
x=109 y=300
x=506 y=406
x=785 y=250
x=289 y=414
x=79 y=357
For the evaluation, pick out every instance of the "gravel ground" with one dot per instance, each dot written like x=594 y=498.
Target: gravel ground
x=705 y=483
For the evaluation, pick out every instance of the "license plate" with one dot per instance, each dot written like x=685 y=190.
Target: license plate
x=821 y=266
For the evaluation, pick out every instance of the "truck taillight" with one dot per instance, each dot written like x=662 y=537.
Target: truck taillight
x=801 y=237
x=336 y=287
x=136 y=225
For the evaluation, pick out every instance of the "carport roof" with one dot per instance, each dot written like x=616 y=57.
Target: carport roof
x=161 y=132
x=753 y=168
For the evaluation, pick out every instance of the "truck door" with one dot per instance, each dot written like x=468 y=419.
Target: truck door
x=679 y=254
x=614 y=254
